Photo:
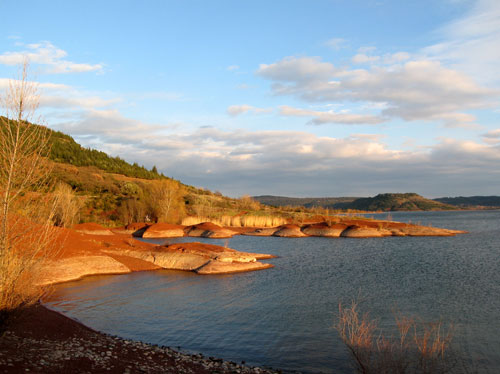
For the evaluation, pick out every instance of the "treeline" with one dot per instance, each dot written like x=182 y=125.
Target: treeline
x=64 y=149
x=471 y=201
x=381 y=202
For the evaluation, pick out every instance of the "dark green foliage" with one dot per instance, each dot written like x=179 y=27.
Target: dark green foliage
x=471 y=201
x=66 y=150
x=397 y=202
x=381 y=202
x=308 y=202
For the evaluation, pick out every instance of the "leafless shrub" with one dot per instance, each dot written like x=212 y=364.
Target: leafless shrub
x=67 y=206
x=26 y=230
x=422 y=348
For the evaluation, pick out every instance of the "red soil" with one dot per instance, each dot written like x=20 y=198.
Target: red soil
x=70 y=243
x=89 y=226
x=207 y=226
x=137 y=225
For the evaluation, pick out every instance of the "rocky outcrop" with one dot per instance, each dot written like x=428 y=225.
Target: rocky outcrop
x=261 y=232
x=79 y=255
x=163 y=230
x=412 y=230
x=135 y=229
x=77 y=267
x=324 y=229
x=363 y=232
x=289 y=231
x=209 y=230
x=92 y=229
x=201 y=258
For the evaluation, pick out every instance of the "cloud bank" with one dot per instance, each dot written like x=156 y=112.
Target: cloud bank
x=45 y=53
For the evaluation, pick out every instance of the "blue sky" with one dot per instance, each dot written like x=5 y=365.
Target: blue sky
x=298 y=98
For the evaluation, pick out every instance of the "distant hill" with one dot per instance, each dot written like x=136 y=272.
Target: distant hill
x=308 y=202
x=398 y=202
x=381 y=202
x=471 y=201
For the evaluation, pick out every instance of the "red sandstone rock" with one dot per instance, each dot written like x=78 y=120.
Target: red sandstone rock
x=163 y=230
x=289 y=231
x=209 y=230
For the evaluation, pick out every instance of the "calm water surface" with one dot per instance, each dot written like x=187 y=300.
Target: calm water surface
x=283 y=317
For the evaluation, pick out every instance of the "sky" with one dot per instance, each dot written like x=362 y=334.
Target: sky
x=291 y=98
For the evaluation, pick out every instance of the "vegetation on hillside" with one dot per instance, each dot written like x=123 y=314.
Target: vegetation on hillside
x=398 y=201
x=381 y=202
x=471 y=201
x=308 y=202
x=64 y=149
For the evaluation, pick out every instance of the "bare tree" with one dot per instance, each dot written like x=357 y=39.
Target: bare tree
x=66 y=206
x=166 y=201
x=25 y=215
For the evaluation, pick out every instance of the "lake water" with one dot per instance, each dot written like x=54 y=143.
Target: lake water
x=283 y=317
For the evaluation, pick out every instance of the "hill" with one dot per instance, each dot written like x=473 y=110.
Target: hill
x=471 y=201
x=381 y=202
x=308 y=202
x=398 y=202
x=64 y=149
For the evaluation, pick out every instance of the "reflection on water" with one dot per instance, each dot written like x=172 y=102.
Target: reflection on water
x=283 y=317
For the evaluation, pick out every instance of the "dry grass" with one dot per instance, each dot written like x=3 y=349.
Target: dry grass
x=30 y=248
x=237 y=221
x=422 y=348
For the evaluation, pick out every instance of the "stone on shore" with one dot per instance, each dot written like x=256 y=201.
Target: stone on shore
x=363 y=232
x=73 y=268
x=202 y=258
x=289 y=231
x=163 y=230
x=135 y=229
x=324 y=229
x=412 y=230
x=209 y=230
x=268 y=231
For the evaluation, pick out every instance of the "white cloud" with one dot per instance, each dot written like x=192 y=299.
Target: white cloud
x=492 y=137
x=256 y=162
x=336 y=43
x=471 y=43
x=235 y=110
x=395 y=58
x=46 y=53
x=232 y=67
x=416 y=90
x=361 y=58
x=320 y=118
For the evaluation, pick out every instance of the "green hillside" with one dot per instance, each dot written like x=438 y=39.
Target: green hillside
x=381 y=202
x=64 y=149
x=398 y=202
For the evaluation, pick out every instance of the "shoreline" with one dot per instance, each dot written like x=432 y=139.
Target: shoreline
x=39 y=339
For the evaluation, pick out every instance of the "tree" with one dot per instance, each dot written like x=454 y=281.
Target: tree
x=166 y=201
x=66 y=206
x=25 y=215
